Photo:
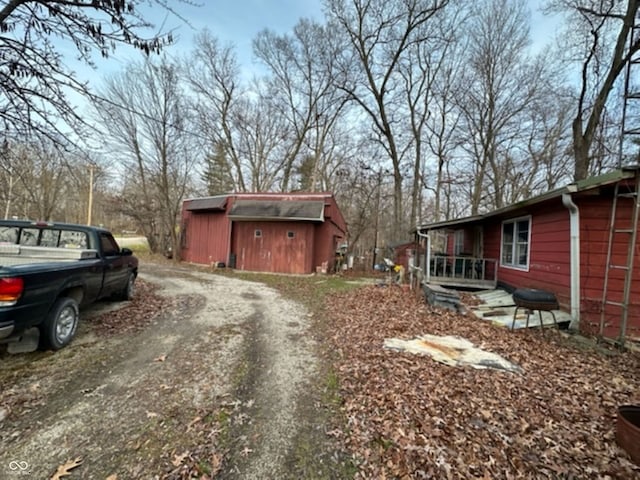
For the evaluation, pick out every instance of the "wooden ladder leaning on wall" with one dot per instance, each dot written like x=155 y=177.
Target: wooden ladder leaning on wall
x=630 y=234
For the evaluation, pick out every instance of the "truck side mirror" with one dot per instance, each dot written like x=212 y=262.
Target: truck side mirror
x=124 y=251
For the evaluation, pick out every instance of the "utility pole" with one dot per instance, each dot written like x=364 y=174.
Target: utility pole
x=8 y=208
x=90 y=194
x=375 y=234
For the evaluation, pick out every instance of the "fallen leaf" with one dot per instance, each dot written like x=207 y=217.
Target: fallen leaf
x=178 y=459
x=64 y=470
x=193 y=422
x=216 y=463
x=161 y=358
x=406 y=414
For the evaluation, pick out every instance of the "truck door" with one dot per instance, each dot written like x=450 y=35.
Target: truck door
x=115 y=269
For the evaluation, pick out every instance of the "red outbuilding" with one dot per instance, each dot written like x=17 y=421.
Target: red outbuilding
x=263 y=232
x=579 y=242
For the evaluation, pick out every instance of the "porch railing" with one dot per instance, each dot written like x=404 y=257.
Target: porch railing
x=462 y=271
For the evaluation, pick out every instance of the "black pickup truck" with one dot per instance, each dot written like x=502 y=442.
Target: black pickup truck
x=48 y=270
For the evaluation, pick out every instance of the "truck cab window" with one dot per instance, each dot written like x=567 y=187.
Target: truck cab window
x=73 y=239
x=8 y=234
x=109 y=245
x=49 y=238
x=29 y=237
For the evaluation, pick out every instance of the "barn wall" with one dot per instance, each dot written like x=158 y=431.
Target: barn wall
x=329 y=235
x=273 y=251
x=210 y=236
x=327 y=240
x=595 y=213
x=206 y=237
x=333 y=214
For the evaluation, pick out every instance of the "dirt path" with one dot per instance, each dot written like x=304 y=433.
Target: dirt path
x=216 y=384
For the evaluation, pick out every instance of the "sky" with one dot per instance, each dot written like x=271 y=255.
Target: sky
x=237 y=22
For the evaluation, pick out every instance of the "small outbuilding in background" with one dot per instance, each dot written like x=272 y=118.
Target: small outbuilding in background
x=263 y=232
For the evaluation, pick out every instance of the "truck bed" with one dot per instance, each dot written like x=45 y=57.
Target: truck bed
x=11 y=254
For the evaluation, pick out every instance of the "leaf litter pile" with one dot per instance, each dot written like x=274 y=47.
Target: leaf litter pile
x=138 y=314
x=408 y=416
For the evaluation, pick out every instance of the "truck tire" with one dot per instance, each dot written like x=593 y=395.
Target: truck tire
x=61 y=324
x=129 y=289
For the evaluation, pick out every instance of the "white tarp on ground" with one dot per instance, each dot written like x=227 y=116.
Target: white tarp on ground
x=452 y=351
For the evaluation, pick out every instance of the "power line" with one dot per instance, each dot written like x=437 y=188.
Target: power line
x=98 y=98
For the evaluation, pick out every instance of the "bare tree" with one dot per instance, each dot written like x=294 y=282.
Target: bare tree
x=302 y=83
x=146 y=119
x=35 y=79
x=420 y=71
x=37 y=181
x=599 y=33
x=213 y=75
x=503 y=81
x=379 y=34
x=264 y=138
x=547 y=145
x=442 y=127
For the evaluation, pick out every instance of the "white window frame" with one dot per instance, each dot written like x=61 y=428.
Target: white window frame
x=514 y=245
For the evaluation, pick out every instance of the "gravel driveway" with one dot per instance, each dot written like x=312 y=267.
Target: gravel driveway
x=214 y=386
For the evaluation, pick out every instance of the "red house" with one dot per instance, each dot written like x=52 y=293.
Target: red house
x=266 y=232
x=579 y=242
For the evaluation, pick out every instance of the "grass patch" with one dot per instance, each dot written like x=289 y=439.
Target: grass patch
x=314 y=292
x=332 y=390
x=138 y=245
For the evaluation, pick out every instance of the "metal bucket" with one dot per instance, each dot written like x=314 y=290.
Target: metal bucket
x=628 y=431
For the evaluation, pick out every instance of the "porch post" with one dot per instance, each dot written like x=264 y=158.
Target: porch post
x=427 y=255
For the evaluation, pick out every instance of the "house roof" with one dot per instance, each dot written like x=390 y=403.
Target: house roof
x=576 y=187
x=207 y=203
x=300 y=210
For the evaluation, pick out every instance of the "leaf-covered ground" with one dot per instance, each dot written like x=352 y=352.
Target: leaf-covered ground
x=410 y=417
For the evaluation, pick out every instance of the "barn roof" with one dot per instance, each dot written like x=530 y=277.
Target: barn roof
x=277 y=210
x=208 y=203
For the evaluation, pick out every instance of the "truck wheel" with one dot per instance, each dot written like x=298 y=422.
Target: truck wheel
x=129 y=289
x=60 y=325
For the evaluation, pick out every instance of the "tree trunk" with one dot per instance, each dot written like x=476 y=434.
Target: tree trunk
x=580 y=152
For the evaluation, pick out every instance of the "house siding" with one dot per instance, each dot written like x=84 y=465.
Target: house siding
x=595 y=216
x=550 y=249
x=550 y=264
x=549 y=259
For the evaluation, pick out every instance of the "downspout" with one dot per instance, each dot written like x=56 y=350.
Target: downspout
x=574 y=223
x=427 y=256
